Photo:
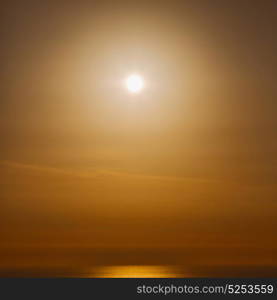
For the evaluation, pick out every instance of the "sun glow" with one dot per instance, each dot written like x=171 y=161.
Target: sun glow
x=134 y=83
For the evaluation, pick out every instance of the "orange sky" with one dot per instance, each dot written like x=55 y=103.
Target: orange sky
x=191 y=160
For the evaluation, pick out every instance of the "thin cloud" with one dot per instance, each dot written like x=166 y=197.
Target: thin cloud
x=47 y=169
x=98 y=173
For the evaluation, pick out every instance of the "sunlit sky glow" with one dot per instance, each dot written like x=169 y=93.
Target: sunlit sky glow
x=147 y=123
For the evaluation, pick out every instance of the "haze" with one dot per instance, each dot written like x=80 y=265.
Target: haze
x=190 y=164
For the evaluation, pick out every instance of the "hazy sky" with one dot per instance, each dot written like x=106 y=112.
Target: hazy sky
x=191 y=159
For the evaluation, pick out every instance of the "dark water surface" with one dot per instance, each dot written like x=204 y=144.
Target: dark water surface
x=126 y=263
x=146 y=271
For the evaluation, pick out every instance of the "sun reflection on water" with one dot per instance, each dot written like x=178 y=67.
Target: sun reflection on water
x=135 y=271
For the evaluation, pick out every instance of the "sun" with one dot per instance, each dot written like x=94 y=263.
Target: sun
x=134 y=83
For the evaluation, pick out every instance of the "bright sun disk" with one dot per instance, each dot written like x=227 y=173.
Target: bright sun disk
x=134 y=83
